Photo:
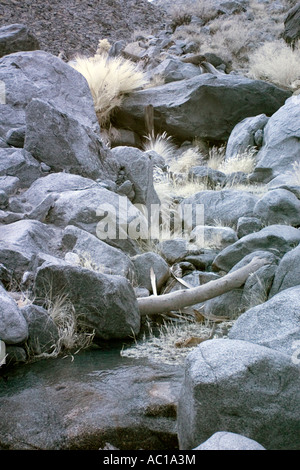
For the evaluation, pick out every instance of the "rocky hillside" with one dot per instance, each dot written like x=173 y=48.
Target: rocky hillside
x=160 y=165
x=76 y=26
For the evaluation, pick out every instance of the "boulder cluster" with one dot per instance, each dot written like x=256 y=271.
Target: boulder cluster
x=59 y=181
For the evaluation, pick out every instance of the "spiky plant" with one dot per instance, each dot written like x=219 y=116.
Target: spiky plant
x=161 y=144
x=109 y=80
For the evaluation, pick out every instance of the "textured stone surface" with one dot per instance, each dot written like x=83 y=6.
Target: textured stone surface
x=16 y=37
x=221 y=207
x=96 y=254
x=229 y=441
x=86 y=22
x=280 y=148
x=40 y=75
x=207 y=106
x=106 y=303
x=55 y=137
x=243 y=388
x=13 y=326
x=288 y=272
x=243 y=135
x=274 y=324
x=278 y=239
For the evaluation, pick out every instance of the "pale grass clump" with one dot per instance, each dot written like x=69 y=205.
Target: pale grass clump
x=73 y=333
x=109 y=80
x=178 y=188
x=185 y=161
x=234 y=34
x=278 y=63
x=244 y=161
x=205 y=9
x=174 y=341
x=161 y=144
x=216 y=157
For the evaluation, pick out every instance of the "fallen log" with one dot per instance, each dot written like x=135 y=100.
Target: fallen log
x=183 y=298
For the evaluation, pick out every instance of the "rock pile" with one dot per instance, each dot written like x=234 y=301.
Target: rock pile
x=62 y=189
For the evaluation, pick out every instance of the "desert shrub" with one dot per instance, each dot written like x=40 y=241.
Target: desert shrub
x=179 y=17
x=186 y=160
x=171 y=342
x=161 y=144
x=109 y=80
x=216 y=157
x=73 y=335
x=278 y=63
x=244 y=161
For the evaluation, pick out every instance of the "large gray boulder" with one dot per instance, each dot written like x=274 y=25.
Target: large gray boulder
x=274 y=324
x=288 y=272
x=104 y=303
x=292 y=25
x=214 y=237
x=277 y=239
x=243 y=136
x=55 y=137
x=20 y=164
x=13 y=326
x=53 y=184
x=38 y=74
x=207 y=106
x=240 y=387
x=9 y=184
x=173 y=69
x=112 y=218
x=42 y=331
x=281 y=146
x=16 y=37
x=255 y=290
x=23 y=241
x=143 y=264
x=95 y=254
x=220 y=207
x=278 y=206
x=224 y=440
x=247 y=225
x=138 y=168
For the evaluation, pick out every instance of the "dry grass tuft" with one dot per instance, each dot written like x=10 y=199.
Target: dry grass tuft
x=174 y=341
x=216 y=156
x=161 y=144
x=188 y=159
x=73 y=333
x=109 y=80
x=244 y=162
x=278 y=63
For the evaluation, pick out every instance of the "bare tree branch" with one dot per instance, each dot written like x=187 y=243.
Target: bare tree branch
x=184 y=298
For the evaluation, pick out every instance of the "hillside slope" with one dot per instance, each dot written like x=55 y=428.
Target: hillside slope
x=76 y=26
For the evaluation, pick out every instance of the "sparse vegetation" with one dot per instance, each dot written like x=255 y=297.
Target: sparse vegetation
x=186 y=160
x=173 y=341
x=161 y=144
x=236 y=37
x=73 y=333
x=278 y=63
x=109 y=80
x=244 y=161
x=216 y=157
